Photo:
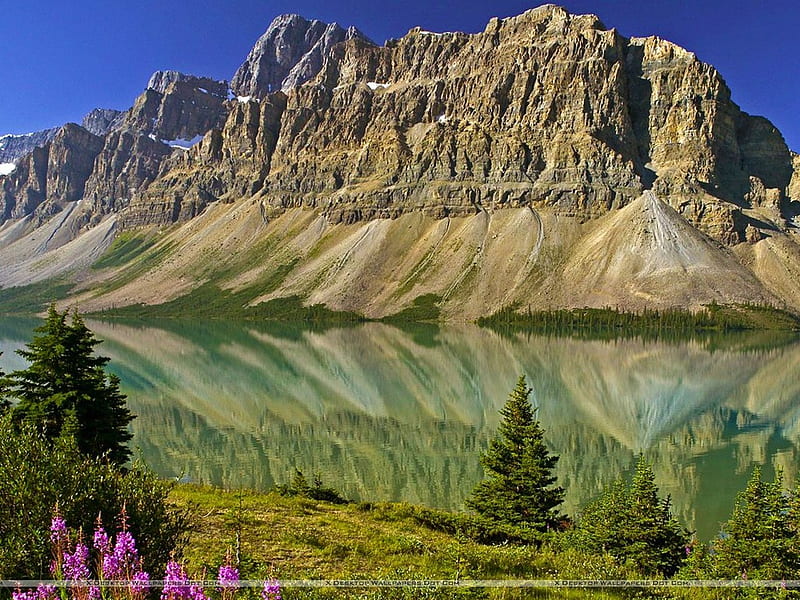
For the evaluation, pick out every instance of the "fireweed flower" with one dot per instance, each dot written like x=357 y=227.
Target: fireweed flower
x=228 y=576
x=175 y=587
x=125 y=551
x=140 y=583
x=271 y=591
x=58 y=529
x=196 y=593
x=76 y=564
x=43 y=592
x=100 y=540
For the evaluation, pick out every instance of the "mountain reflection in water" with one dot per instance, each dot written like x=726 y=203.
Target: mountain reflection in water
x=388 y=413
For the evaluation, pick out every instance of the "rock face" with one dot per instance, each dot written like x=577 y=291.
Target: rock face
x=452 y=123
x=13 y=147
x=102 y=120
x=115 y=153
x=586 y=135
x=51 y=176
x=289 y=53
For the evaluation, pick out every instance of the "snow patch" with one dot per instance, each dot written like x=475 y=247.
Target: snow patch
x=374 y=86
x=153 y=137
x=7 y=168
x=204 y=90
x=441 y=118
x=245 y=99
x=183 y=144
x=16 y=135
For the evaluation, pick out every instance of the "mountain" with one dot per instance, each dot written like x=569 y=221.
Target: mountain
x=289 y=53
x=546 y=161
x=14 y=147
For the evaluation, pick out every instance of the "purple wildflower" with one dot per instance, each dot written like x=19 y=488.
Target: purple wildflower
x=271 y=591
x=43 y=592
x=196 y=593
x=95 y=593
x=175 y=582
x=228 y=576
x=125 y=547
x=76 y=565
x=46 y=592
x=111 y=567
x=140 y=583
x=58 y=529
x=101 y=541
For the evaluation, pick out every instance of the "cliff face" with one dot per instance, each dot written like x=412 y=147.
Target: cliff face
x=14 y=147
x=289 y=53
x=545 y=109
x=594 y=149
x=51 y=176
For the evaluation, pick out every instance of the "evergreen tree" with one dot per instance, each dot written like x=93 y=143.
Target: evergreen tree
x=759 y=541
x=634 y=525
x=519 y=490
x=66 y=391
x=4 y=383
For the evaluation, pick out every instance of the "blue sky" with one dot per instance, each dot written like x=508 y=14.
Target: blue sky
x=61 y=59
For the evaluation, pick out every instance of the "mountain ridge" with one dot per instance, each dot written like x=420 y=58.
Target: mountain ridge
x=547 y=123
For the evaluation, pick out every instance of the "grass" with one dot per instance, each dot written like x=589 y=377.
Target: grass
x=33 y=298
x=300 y=538
x=127 y=246
x=210 y=302
x=424 y=309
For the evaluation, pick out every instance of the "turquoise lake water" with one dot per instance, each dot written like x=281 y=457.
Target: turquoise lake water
x=388 y=413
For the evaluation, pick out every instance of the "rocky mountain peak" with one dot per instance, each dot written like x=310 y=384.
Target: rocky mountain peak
x=162 y=81
x=13 y=146
x=102 y=120
x=289 y=53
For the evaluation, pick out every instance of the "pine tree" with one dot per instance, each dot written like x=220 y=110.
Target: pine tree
x=519 y=490
x=634 y=525
x=66 y=391
x=759 y=540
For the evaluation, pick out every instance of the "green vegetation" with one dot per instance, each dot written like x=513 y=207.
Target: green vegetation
x=65 y=390
x=300 y=487
x=147 y=255
x=210 y=302
x=519 y=489
x=297 y=537
x=609 y=323
x=33 y=298
x=634 y=525
x=760 y=540
x=127 y=246
x=425 y=308
x=38 y=473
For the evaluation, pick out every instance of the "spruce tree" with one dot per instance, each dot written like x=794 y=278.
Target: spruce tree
x=759 y=541
x=519 y=489
x=66 y=391
x=634 y=525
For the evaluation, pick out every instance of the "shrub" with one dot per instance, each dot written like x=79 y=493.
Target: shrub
x=37 y=473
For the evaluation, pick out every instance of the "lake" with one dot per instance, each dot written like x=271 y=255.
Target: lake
x=389 y=413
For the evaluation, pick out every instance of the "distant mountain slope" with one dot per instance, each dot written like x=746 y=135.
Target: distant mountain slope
x=546 y=161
